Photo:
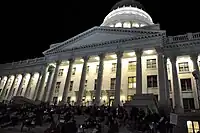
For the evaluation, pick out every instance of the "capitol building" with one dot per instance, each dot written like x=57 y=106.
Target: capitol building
x=108 y=64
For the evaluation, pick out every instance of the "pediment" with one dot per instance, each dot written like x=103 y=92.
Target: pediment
x=99 y=35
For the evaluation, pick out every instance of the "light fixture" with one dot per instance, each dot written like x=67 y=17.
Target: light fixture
x=131 y=54
x=148 y=51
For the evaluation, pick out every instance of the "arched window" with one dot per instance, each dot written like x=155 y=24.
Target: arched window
x=118 y=24
x=127 y=25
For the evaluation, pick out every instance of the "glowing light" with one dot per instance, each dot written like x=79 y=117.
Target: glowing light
x=111 y=25
x=73 y=98
x=104 y=98
x=127 y=25
x=88 y=98
x=81 y=60
x=131 y=54
x=118 y=25
x=148 y=51
x=113 y=56
x=96 y=58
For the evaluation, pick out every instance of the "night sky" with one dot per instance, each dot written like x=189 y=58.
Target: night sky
x=28 y=28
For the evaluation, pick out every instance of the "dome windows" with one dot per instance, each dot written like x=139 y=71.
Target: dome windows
x=118 y=24
x=135 y=24
x=127 y=25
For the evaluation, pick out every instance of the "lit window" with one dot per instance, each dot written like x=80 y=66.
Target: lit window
x=112 y=83
x=183 y=67
x=131 y=66
x=60 y=73
x=135 y=24
x=151 y=63
x=186 y=84
x=74 y=71
x=118 y=25
x=114 y=67
x=127 y=25
x=71 y=85
x=193 y=126
x=129 y=97
x=152 y=81
x=131 y=82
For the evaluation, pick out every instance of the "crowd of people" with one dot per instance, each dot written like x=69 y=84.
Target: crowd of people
x=97 y=119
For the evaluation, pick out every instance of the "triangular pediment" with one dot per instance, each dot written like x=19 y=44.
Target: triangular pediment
x=98 y=35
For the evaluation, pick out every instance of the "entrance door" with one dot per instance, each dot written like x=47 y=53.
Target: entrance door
x=111 y=101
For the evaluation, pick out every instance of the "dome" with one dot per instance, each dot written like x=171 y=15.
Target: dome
x=131 y=3
x=127 y=14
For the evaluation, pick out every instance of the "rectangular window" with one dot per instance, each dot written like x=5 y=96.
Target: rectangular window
x=186 y=84
x=151 y=63
x=132 y=66
x=188 y=103
x=97 y=68
x=131 y=82
x=74 y=71
x=183 y=67
x=60 y=72
x=193 y=126
x=152 y=81
x=88 y=69
x=112 y=83
x=57 y=87
x=114 y=67
x=95 y=84
x=71 y=85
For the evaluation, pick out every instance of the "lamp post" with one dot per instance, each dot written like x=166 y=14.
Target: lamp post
x=196 y=75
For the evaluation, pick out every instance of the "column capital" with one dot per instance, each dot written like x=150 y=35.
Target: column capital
x=86 y=58
x=173 y=58
x=71 y=60
x=138 y=52
x=194 y=56
x=159 y=50
x=58 y=62
x=101 y=56
x=119 y=54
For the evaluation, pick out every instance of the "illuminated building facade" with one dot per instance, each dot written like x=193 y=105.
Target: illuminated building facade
x=128 y=54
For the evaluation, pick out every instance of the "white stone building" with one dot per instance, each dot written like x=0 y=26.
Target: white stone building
x=128 y=54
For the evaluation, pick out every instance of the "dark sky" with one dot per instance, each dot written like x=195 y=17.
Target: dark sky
x=28 y=28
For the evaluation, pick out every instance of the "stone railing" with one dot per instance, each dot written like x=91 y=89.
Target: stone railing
x=182 y=38
x=24 y=62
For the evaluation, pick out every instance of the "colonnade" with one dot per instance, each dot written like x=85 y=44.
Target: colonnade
x=44 y=89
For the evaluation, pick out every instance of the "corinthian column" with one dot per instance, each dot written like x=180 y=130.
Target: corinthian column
x=161 y=77
x=42 y=83
x=21 y=84
x=82 y=81
x=118 y=78
x=99 y=79
x=177 y=92
x=138 y=53
x=194 y=58
x=12 y=87
x=58 y=63
x=28 y=89
x=67 y=81
x=48 y=85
